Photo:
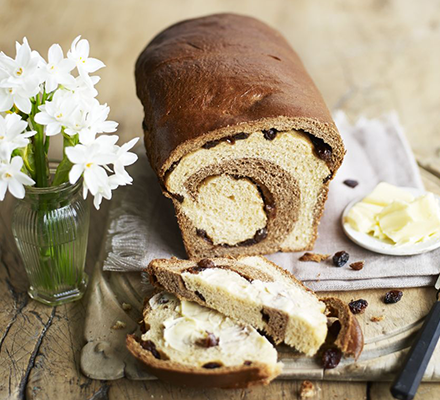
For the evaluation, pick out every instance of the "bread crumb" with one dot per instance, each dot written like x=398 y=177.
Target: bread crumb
x=307 y=390
x=126 y=306
x=377 y=318
x=119 y=325
x=314 y=257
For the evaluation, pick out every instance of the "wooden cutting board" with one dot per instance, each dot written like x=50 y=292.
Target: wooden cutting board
x=386 y=340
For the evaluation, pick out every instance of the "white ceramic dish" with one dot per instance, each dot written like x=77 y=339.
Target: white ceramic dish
x=378 y=246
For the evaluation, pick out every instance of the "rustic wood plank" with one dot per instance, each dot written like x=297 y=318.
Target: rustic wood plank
x=286 y=390
x=427 y=391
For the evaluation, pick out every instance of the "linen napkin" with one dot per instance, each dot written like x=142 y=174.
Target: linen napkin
x=142 y=224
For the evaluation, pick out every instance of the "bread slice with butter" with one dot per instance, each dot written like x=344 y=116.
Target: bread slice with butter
x=188 y=344
x=252 y=290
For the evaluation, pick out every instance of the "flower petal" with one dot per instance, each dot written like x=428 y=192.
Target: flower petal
x=24 y=179
x=93 y=64
x=43 y=118
x=52 y=129
x=75 y=173
x=3 y=187
x=23 y=104
x=6 y=102
x=76 y=154
x=16 y=188
x=55 y=54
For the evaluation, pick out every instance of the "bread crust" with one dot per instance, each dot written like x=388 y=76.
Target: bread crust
x=207 y=78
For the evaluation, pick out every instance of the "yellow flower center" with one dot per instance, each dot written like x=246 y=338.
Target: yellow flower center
x=60 y=115
x=2 y=137
x=88 y=165
x=8 y=175
x=10 y=90
x=19 y=71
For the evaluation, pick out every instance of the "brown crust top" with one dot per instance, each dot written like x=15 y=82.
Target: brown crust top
x=208 y=78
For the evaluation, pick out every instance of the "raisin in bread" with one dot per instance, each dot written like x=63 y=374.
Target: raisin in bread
x=252 y=290
x=238 y=135
x=188 y=344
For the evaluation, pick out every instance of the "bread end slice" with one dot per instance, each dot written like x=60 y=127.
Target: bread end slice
x=174 y=347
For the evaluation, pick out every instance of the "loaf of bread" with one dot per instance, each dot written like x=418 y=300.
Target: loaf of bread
x=188 y=344
x=250 y=289
x=238 y=134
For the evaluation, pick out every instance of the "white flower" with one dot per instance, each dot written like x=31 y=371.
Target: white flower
x=88 y=160
x=12 y=135
x=19 y=79
x=57 y=70
x=12 y=179
x=79 y=53
x=58 y=113
x=82 y=92
x=124 y=158
x=104 y=191
x=94 y=122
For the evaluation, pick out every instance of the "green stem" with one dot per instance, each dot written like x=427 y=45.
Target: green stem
x=39 y=153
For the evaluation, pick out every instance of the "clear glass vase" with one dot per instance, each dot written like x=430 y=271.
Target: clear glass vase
x=51 y=226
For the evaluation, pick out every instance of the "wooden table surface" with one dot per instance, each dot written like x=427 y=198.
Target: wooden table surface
x=367 y=58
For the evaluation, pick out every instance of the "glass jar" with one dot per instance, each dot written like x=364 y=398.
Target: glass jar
x=50 y=226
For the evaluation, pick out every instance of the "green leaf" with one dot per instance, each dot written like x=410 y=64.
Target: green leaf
x=62 y=172
x=29 y=159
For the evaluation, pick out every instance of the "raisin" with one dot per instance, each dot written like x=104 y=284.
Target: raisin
x=351 y=183
x=260 y=235
x=331 y=358
x=323 y=150
x=202 y=233
x=357 y=266
x=340 y=258
x=162 y=300
x=151 y=347
x=212 y=365
x=205 y=263
x=270 y=134
x=247 y=363
x=211 y=144
x=269 y=209
x=209 y=341
x=199 y=295
x=393 y=296
x=358 y=306
x=201 y=266
x=241 y=136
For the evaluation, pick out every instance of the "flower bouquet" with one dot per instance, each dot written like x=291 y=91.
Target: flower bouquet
x=41 y=99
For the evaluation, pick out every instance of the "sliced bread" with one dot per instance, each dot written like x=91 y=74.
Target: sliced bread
x=191 y=345
x=252 y=290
